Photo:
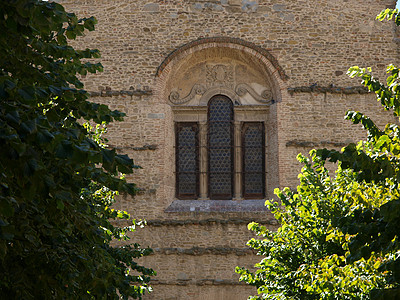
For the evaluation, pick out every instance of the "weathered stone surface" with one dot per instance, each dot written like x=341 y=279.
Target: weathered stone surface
x=151 y=7
x=249 y=6
x=156 y=115
x=279 y=7
x=297 y=51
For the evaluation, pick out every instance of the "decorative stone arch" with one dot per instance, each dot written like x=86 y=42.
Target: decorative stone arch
x=248 y=75
x=218 y=91
x=221 y=40
x=261 y=56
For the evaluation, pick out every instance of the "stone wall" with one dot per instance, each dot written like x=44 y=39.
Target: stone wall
x=303 y=48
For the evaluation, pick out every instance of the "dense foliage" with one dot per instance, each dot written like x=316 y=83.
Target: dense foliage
x=305 y=257
x=57 y=180
x=339 y=237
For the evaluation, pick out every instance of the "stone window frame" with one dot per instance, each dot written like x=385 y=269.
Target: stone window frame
x=242 y=114
x=164 y=83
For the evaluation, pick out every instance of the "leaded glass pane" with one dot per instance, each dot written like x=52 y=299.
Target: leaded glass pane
x=220 y=146
x=253 y=160
x=187 y=160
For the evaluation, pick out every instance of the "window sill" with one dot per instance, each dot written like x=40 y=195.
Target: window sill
x=217 y=206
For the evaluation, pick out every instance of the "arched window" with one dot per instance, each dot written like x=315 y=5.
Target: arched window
x=224 y=152
x=220 y=148
x=222 y=97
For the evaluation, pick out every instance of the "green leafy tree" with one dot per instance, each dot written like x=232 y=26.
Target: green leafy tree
x=339 y=236
x=57 y=179
x=376 y=229
x=305 y=258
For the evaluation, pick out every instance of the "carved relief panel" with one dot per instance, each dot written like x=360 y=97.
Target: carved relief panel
x=219 y=75
x=244 y=85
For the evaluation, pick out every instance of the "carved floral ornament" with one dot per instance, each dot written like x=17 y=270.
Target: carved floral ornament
x=240 y=90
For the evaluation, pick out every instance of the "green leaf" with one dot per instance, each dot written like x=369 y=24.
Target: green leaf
x=27 y=93
x=6 y=208
x=7 y=232
x=60 y=204
x=13 y=117
x=56 y=232
x=28 y=126
x=70 y=34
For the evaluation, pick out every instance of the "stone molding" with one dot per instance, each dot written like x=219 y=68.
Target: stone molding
x=265 y=97
x=277 y=77
x=211 y=221
x=329 y=89
x=130 y=92
x=228 y=40
x=146 y=147
x=197 y=89
x=199 y=282
x=197 y=251
x=217 y=206
x=241 y=90
x=219 y=90
x=301 y=143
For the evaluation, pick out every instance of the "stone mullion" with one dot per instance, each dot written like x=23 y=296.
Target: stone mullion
x=237 y=161
x=203 y=160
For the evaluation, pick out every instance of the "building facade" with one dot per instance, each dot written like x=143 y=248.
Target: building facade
x=220 y=97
